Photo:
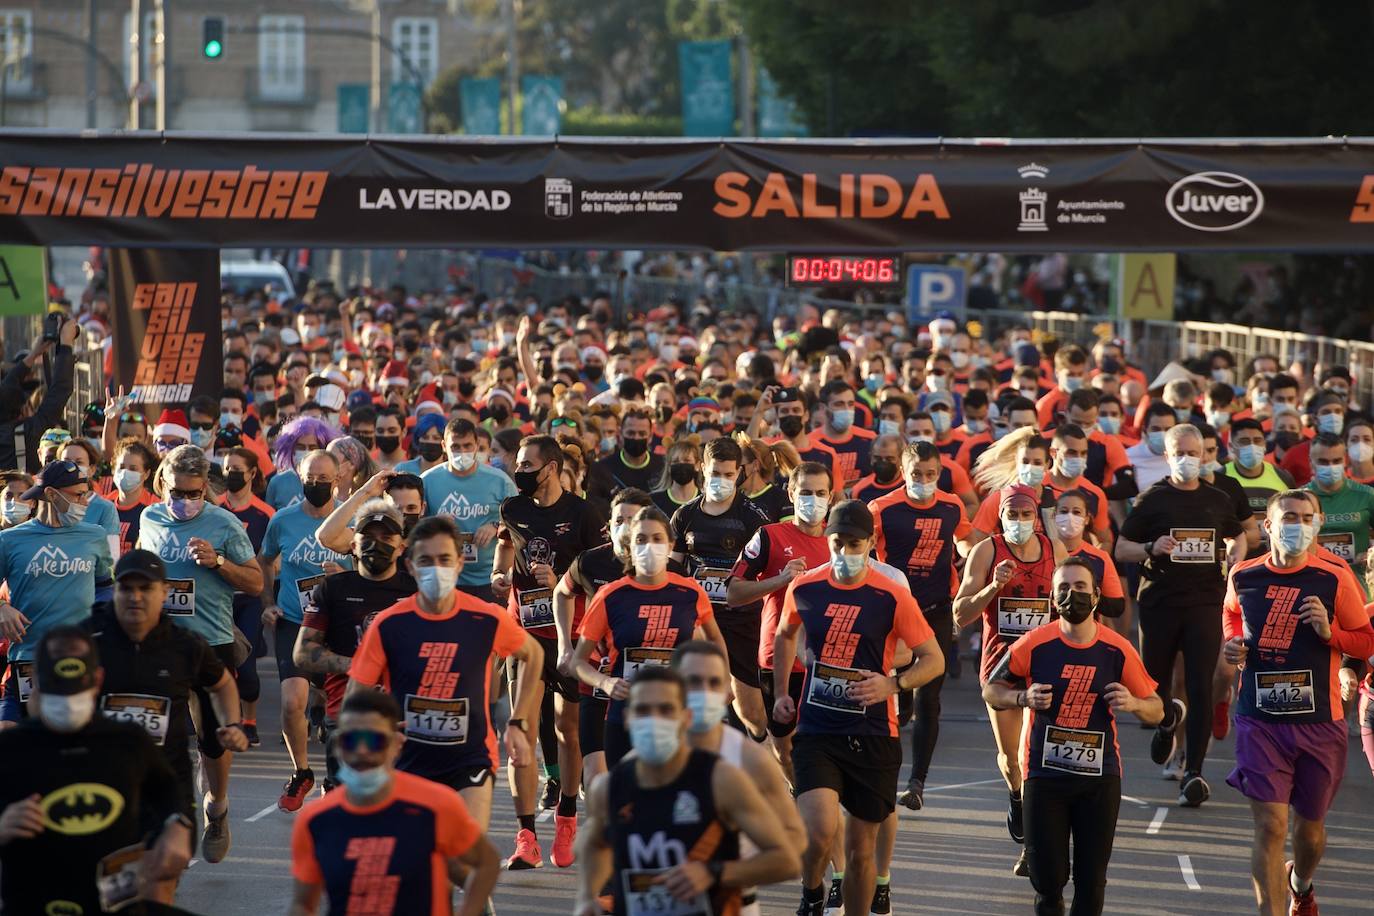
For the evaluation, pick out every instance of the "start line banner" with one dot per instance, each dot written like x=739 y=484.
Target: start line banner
x=234 y=190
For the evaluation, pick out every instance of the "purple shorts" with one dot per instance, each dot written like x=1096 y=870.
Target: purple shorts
x=1290 y=763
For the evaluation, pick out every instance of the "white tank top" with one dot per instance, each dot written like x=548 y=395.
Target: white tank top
x=732 y=752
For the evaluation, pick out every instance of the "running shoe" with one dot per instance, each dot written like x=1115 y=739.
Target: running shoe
x=914 y=797
x=806 y=908
x=214 y=842
x=527 y=854
x=834 y=902
x=551 y=792
x=1015 y=825
x=1221 y=718
x=1194 y=790
x=251 y=730
x=297 y=789
x=1175 y=767
x=1022 y=866
x=1302 y=904
x=1164 y=742
x=882 y=901
x=564 y=832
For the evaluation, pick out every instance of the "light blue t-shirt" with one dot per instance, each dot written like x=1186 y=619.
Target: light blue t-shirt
x=472 y=501
x=52 y=574
x=103 y=514
x=410 y=467
x=198 y=597
x=291 y=535
x=284 y=489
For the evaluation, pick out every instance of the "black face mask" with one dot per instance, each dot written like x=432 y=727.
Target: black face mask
x=318 y=494
x=884 y=469
x=430 y=451
x=411 y=520
x=1285 y=440
x=1075 y=607
x=665 y=414
x=635 y=447
x=367 y=441
x=594 y=372
x=235 y=481
x=682 y=473
x=527 y=481
x=376 y=556
x=500 y=413
x=790 y=426
x=388 y=444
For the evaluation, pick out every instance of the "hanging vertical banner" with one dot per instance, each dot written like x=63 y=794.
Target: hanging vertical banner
x=355 y=108
x=708 y=90
x=481 y=101
x=23 y=280
x=541 y=113
x=165 y=307
x=403 y=109
x=778 y=115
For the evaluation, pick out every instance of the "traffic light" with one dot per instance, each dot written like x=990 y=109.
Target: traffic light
x=212 y=42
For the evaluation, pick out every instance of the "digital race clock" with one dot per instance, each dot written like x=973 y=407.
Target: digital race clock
x=842 y=270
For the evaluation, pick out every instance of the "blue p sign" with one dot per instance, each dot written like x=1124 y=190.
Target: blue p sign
x=931 y=288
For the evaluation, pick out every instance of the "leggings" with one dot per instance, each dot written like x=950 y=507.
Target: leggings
x=1084 y=807
x=1366 y=719
x=548 y=736
x=248 y=618
x=925 y=727
x=617 y=743
x=1194 y=630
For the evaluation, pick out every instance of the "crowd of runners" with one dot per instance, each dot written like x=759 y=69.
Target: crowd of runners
x=687 y=579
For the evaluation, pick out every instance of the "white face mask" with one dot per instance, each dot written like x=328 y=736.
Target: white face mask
x=435 y=582
x=719 y=489
x=463 y=462
x=363 y=783
x=1069 y=526
x=619 y=534
x=650 y=559
x=810 y=509
x=655 y=740
x=127 y=480
x=66 y=714
x=16 y=512
x=708 y=709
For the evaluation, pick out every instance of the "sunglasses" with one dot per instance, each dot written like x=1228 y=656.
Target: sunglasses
x=554 y=424
x=186 y=494
x=132 y=418
x=362 y=739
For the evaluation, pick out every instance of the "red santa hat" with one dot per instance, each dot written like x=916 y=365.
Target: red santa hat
x=172 y=423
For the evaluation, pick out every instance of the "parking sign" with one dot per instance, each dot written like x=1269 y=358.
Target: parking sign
x=931 y=288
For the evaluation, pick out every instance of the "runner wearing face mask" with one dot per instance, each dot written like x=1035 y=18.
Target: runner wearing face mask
x=1021 y=459
x=207 y=557
x=916 y=531
x=680 y=482
x=775 y=556
x=1070 y=521
x=470 y=493
x=1007 y=581
x=133 y=463
x=67 y=755
x=339 y=609
x=242 y=484
x=291 y=536
x=1347 y=507
x=794 y=423
x=1359 y=449
x=51 y=564
x=1288 y=619
x=1077 y=677
x=708 y=535
x=1259 y=478
x=1181 y=530
x=543 y=528
x=1326 y=411
x=641 y=618
x=433 y=652
x=887 y=470
x=706 y=672
x=1147 y=455
x=646 y=814
x=847 y=752
x=634 y=464
x=427 y=442
x=849 y=442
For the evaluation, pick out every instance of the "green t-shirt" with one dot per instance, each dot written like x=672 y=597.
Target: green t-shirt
x=1345 y=531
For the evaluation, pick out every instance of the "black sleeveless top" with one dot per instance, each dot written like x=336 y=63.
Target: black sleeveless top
x=652 y=830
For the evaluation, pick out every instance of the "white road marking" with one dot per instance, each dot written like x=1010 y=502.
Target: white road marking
x=1158 y=821
x=262 y=814
x=962 y=785
x=1135 y=801
x=1185 y=864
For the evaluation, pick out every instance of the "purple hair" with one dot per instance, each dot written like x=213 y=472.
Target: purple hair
x=284 y=449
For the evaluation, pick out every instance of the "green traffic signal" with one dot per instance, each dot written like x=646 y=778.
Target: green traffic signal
x=212 y=39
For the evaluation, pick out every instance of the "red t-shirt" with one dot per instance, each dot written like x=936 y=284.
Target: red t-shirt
x=770 y=549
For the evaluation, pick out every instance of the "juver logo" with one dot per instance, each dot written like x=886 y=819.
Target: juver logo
x=1214 y=201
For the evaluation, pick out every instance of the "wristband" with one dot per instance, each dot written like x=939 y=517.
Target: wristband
x=715 y=868
x=1021 y=700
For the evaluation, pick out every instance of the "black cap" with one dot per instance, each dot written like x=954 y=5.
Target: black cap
x=71 y=670
x=142 y=563
x=787 y=396
x=379 y=518
x=55 y=474
x=850 y=518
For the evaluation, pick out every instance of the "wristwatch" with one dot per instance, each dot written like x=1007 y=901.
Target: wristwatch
x=517 y=723
x=219 y=560
x=179 y=818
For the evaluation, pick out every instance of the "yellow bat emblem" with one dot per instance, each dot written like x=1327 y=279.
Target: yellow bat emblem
x=81 y=808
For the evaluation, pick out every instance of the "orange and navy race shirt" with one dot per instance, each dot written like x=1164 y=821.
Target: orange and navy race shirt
x=851 y=454
x=850 y=629
x=1076 y=736
x=255 y=515
x=129 y=516
x=1103 y=566
x=388 y=857
x=919 y=539
x=770 y=549
x=642 y=624
x=1021 y=605
x=439 y=670
x=1290 y=674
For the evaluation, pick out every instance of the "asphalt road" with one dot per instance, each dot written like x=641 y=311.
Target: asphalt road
x=954 y=857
